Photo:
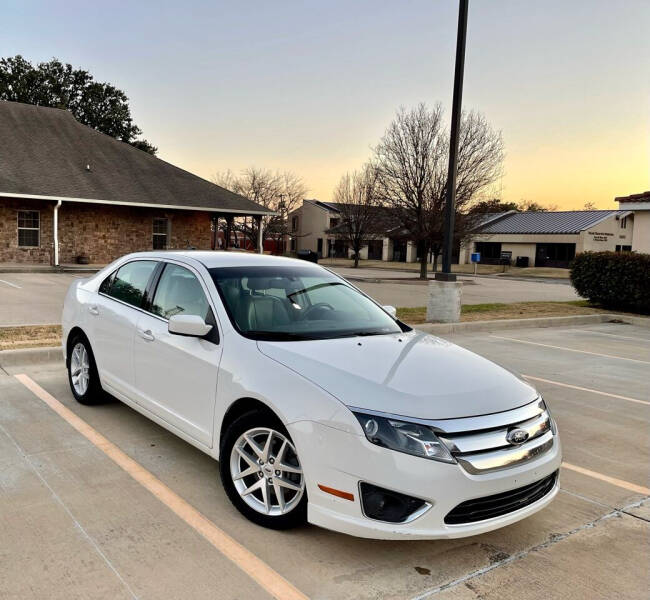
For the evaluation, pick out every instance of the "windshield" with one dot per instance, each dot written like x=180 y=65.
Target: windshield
x=297 y=303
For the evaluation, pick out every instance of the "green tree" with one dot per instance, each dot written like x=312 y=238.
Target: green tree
x=101 y=106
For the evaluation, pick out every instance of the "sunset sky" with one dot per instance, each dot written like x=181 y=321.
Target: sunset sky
x=311 y=86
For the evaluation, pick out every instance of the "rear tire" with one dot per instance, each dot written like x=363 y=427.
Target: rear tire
x=261 y=472
x=82 y=372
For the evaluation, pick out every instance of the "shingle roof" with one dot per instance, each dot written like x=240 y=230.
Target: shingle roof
x=44 y=152
x=573 y=221
x=642 y=197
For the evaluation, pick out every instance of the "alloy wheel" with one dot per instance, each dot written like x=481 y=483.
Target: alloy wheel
x=266 y=472
x=80 y=369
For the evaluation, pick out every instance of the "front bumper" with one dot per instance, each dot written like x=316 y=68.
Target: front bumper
x=341 y=460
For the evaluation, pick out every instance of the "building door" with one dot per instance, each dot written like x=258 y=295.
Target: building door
x=554 y=255
x=320 y=247
x=399 y=251
x=375 y=249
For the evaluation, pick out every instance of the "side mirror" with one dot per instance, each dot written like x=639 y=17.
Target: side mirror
x=189 y=325
x=391 y=310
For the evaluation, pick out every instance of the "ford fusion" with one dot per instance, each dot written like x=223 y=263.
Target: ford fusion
x=318 y=403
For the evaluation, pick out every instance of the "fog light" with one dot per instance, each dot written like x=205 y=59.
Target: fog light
x=385 y=505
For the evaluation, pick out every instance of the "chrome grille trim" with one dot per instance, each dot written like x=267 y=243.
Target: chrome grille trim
x=495 y=438
x=484 y=462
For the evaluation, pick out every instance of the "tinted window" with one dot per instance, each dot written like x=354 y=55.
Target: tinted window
x=131 y=281
x=179 y=293
x=297 y=303
x=105 y=287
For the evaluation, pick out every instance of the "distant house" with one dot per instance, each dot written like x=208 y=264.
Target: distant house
x=549 y=239
x=639 y=204
x=68 y=192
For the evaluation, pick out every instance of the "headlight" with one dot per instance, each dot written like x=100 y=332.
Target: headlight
x=410 y=438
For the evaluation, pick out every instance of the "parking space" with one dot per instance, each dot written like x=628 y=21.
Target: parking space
x=76 y=523
x=33 y=298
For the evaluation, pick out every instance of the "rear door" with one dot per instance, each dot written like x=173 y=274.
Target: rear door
x=113 y=317
x=176 y=376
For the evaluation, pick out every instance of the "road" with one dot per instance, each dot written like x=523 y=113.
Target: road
x=76 y=525
x=37 y=298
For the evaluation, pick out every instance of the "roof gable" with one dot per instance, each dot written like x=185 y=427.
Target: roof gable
x=45 y=152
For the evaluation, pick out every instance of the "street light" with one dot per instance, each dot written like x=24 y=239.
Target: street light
x=448 y=232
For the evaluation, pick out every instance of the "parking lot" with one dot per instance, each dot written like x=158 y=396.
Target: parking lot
x=37 y=298
x=99 y=502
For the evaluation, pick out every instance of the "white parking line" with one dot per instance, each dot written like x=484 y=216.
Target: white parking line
x=266 y=577
x=11 y=284
x=583 y=389
x=632 y=487
x=499 y=337
x=614 y=335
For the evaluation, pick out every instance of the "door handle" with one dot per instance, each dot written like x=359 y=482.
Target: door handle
x=146 y=335
x=93 y=310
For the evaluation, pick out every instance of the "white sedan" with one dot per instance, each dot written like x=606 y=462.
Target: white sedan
x=318 y=403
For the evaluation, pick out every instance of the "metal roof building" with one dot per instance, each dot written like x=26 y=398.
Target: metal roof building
x=550 y=239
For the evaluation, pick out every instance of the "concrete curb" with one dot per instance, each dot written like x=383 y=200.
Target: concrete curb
x=503 y=324
x=30 y=356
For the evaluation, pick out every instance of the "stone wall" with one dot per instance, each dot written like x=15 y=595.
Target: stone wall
x=101 y=232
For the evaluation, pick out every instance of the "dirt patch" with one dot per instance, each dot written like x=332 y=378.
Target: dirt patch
x=33 y=336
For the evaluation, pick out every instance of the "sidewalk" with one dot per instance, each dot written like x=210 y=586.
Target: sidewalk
x=40 y=268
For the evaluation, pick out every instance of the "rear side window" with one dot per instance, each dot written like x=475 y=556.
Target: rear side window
x=130 y=281
x=179 y=293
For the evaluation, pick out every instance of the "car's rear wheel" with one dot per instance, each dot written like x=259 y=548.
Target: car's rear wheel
x=82 y=372
x=261 y=472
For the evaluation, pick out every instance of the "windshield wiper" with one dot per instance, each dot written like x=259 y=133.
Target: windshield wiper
x=363 y=333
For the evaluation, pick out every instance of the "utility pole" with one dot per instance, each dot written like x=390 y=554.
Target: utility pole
x=450 y=206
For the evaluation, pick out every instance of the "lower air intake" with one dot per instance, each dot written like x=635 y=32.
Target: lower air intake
x=497 y=505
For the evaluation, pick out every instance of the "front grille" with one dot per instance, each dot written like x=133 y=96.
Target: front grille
x=484 y=444
x=497 y=505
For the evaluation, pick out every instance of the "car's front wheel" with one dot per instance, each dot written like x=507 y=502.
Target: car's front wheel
x=82 y=372
x=261 y=471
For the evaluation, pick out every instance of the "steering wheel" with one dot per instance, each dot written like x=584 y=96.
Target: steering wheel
x=313 y=307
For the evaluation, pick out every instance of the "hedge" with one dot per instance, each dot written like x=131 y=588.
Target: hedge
x=617 y=280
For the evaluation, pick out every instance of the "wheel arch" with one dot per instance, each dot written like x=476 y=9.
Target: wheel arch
x=241 y=407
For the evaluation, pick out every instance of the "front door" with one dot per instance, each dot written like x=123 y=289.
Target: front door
x=176 y=376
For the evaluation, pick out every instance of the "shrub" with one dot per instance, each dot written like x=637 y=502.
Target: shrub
x=619 y=280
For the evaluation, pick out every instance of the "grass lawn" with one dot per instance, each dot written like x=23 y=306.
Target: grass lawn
x=12 y=338
x=515 y=310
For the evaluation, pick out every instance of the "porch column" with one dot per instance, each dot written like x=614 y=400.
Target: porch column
x=55 y=224
x=260 y=235
x=226 y=241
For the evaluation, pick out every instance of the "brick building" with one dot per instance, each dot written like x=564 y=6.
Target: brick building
x=69 y=193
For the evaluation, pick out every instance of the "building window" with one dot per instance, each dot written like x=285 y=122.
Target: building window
x=624 y=223
x=29 y=228
x=160 y=233
x=334 y=222
x=294 y=223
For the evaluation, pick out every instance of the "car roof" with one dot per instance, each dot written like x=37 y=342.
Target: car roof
x=221 y=258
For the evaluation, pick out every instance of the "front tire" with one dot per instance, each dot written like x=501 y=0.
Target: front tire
x=82 y=372
x=261 y=472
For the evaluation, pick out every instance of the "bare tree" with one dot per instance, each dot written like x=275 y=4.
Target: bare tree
x=356 y=197
x=411 y=162
x=280 y=191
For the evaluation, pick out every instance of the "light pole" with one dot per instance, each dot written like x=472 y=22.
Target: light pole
x=450 y=205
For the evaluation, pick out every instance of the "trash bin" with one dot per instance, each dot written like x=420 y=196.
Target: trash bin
x=522 y=261
x=308 y=255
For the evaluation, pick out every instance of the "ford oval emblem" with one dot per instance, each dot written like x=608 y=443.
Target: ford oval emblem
x=517 y=436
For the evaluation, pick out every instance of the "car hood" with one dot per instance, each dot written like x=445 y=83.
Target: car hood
x=411 y=374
